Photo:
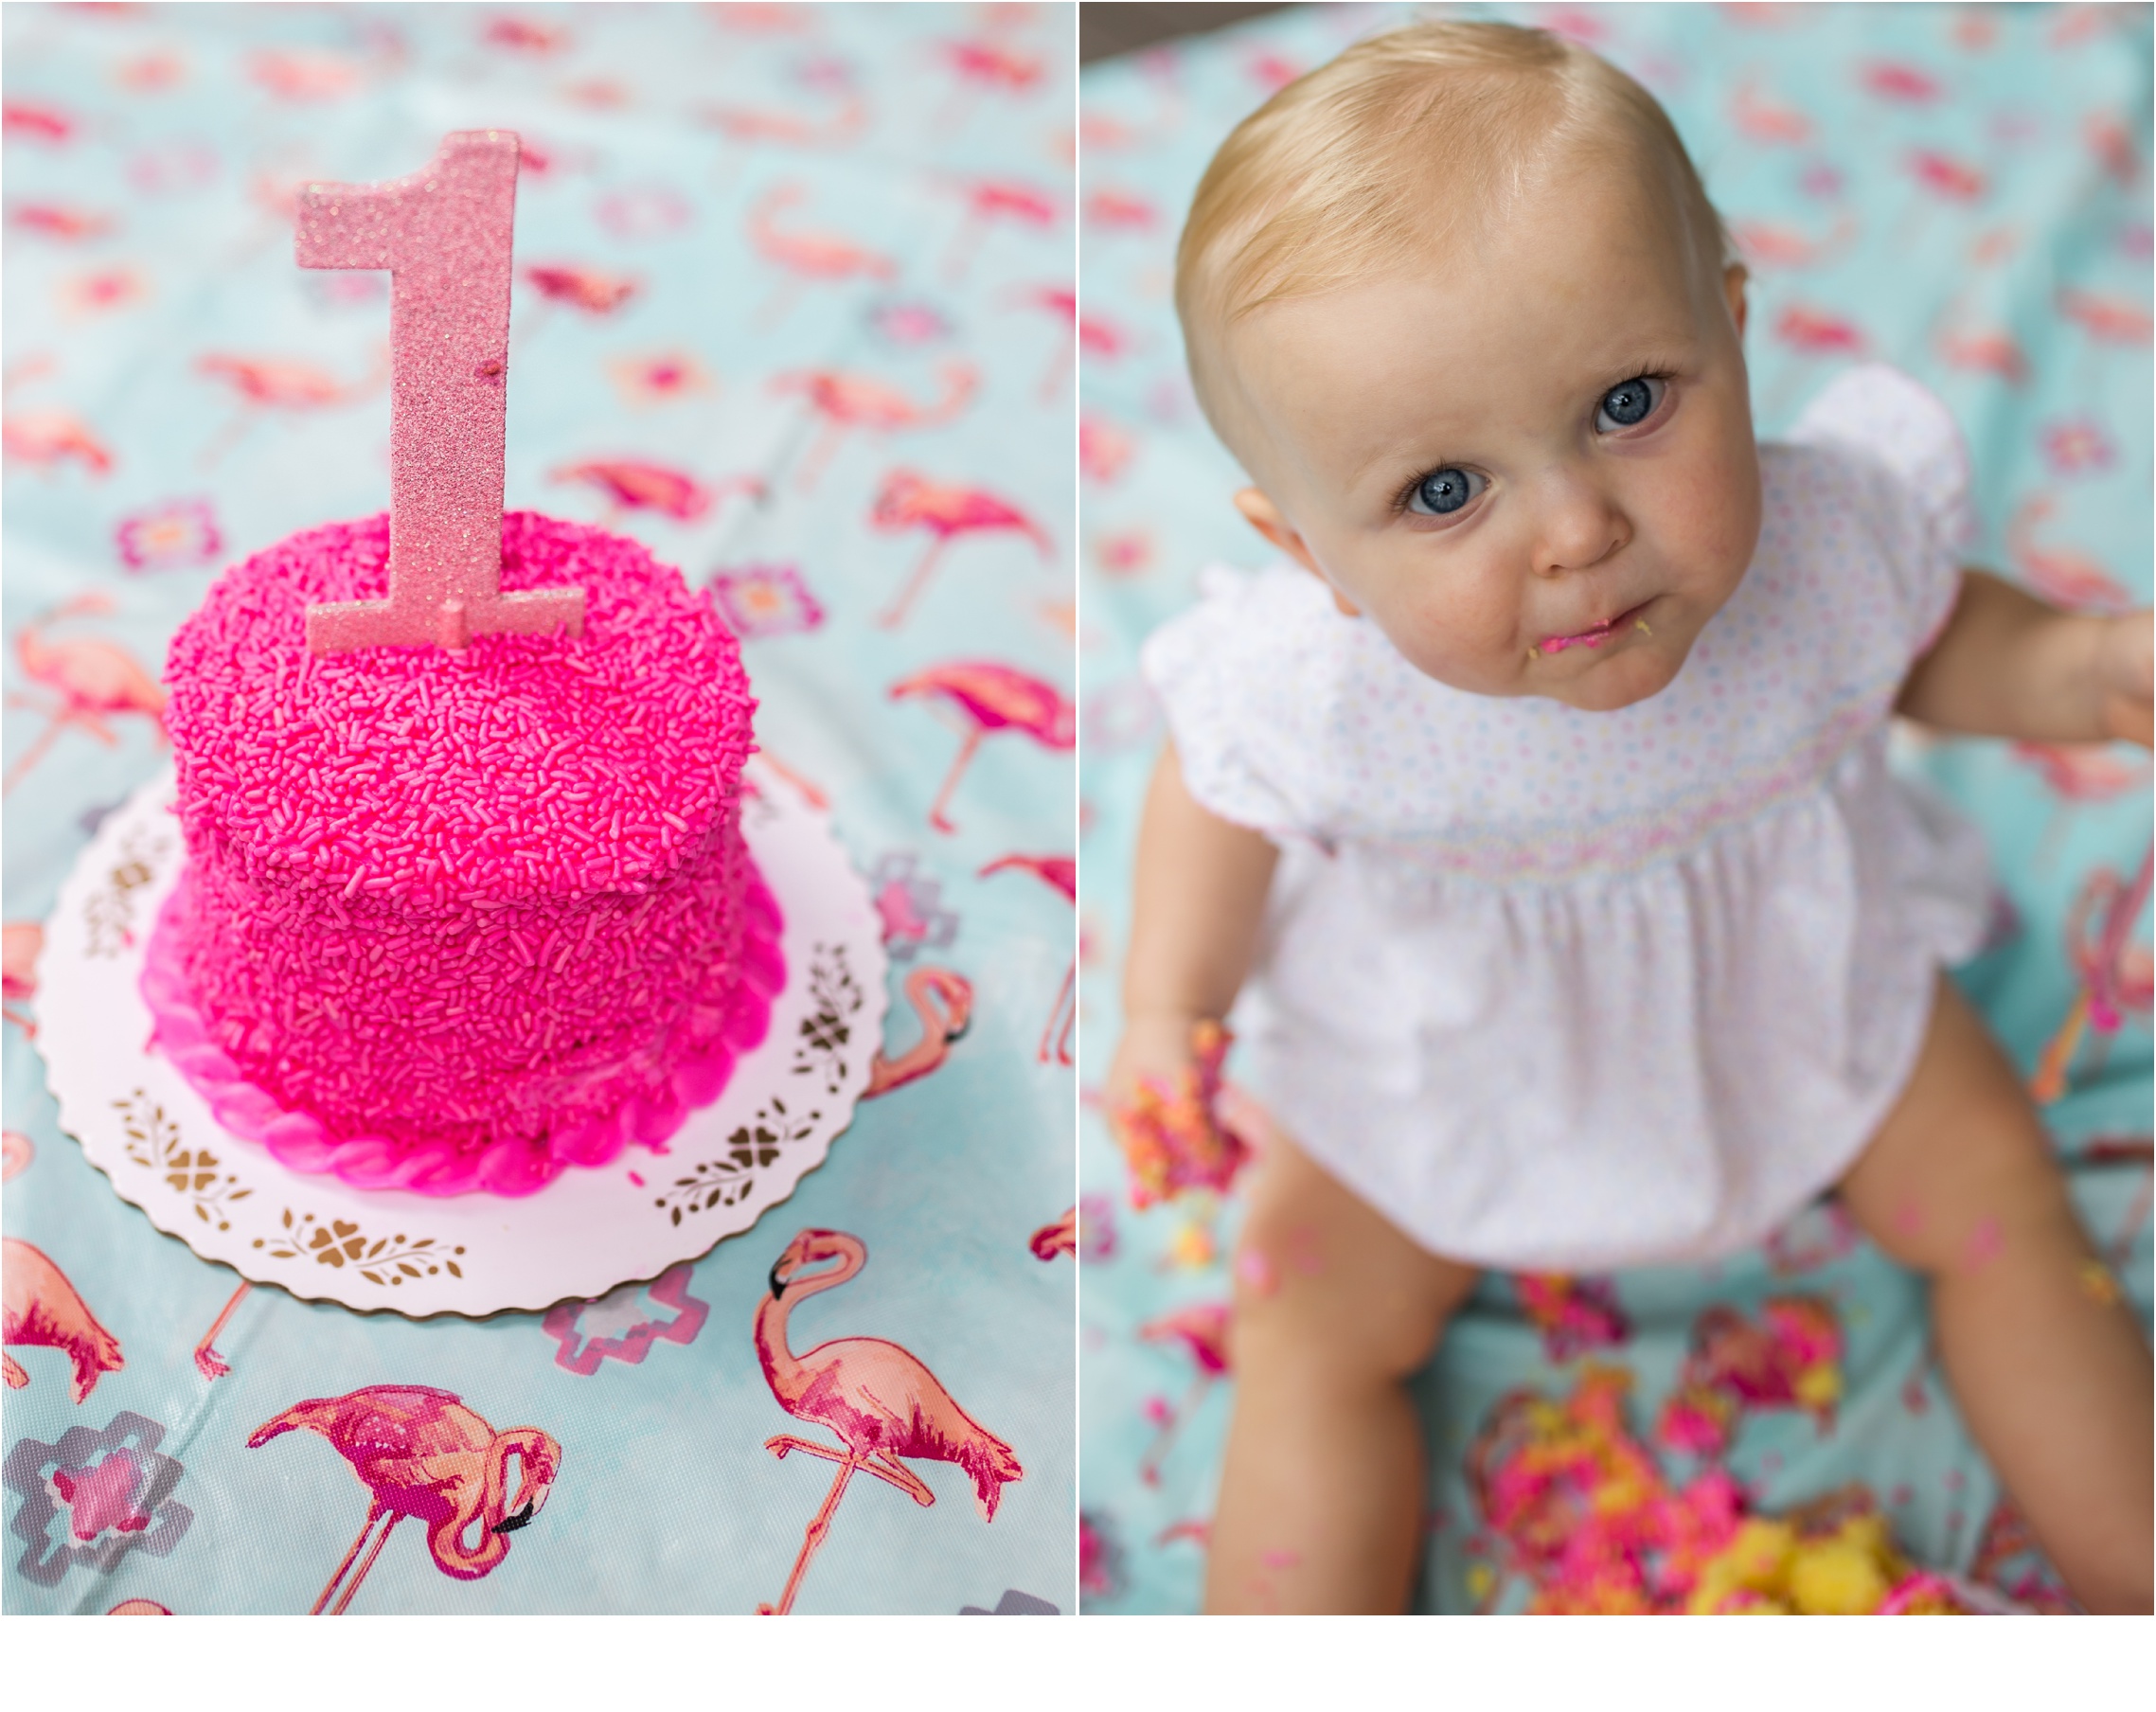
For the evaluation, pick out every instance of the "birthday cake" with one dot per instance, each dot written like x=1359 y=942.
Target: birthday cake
x=455 y=919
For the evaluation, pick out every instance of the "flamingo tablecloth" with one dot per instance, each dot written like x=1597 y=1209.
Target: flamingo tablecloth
x=1963 y=191
x=793 y=307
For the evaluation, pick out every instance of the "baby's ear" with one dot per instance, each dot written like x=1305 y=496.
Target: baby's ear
x=1267 y=519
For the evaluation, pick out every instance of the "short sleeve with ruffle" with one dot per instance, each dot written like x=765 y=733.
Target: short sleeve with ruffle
x=1244 y=677
x=1904 y=432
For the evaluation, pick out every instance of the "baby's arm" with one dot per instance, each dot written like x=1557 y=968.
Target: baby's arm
x=2006 y=665
x=1199 y=896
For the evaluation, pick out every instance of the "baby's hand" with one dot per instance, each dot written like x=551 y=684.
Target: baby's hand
x=2126 y=669
x=1162 y=1094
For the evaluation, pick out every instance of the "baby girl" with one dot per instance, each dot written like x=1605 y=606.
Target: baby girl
x=1539 y=813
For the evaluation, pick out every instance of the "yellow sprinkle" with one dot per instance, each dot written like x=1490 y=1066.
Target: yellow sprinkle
x=1640 y=625
x=1534 y=650
x=1479 y=1580
x=2097 y=1283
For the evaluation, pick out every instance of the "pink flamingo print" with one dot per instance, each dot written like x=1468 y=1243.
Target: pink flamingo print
x=943 y=1000
x=909 y=501
x=2114 y=976
x=635 y=485
x=1090 y=333
x=139 y=1608
x=806 y=256
x=48 y=438
x=1765 y=119
x=2112 y=320
x=21 y=944
x=1766 y=244
x=985 y=66
x=989 y=202
x=1998 y=353
x=2076 y=773
x=39 y=1308
x=93 y=679
x=1896 y=80
x=586 y=290
x=880 y=1401
x=845 y=402
x=2072 y=579
x=1818 y=334
x=17 y=1153
x=1947 y=178
x=1060 y=1237
x=1202 y=1330
x=752 y=128
x=210 y=1365
x=422 y=1454
x=990 y=698
x=270 y=384
x=1062 y=873
x=57 y=220
x=31 y=119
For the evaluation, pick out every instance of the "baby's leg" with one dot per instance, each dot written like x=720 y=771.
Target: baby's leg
x=2047 y=1365
x=1323 y=1491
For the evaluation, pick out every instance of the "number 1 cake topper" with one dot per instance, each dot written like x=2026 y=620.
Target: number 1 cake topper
x=444 y=235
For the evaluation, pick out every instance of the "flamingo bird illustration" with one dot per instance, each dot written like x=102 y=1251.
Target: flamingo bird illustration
x=989 y=202
x=908 y=500
x=422 y=1454
x=93 y=679
x=1202 y=1331
x=2076 y=773
x=2114 y=978
x=21 y=944
x=42 y=1310
x=1060 y=1238
x=587 y=289
x=1062 y=873
x=265 y=383
x=1764 y=119
x=990 y=698
x=846 y=402
x=210 y=1365
x=17 y=1153
x=880 y=1401
x=636 y=485
x=943 y=999
x=2112 y=320
x=49 y=438
x=1998 y=353
x=2074 y=579
x=982 y=65
x=806 y=256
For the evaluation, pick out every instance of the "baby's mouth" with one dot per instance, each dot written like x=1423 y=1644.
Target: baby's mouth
x=1594 y=635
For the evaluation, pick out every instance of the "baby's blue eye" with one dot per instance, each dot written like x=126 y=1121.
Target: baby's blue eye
x=1443 y=491
x=1629 y=404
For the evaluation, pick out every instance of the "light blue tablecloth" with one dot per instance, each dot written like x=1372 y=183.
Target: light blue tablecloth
x=884 y=191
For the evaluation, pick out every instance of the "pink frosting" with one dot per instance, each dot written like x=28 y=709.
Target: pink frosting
x=453 y=922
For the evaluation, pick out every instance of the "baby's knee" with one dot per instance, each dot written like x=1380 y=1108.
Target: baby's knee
x=1365 y=1315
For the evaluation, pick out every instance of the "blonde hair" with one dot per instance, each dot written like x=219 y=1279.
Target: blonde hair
x=1331 y=180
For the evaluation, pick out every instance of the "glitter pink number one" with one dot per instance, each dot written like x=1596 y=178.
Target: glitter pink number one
x=444 y=235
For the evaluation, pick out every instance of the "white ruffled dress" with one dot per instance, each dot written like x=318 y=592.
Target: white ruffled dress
x=1564 y=990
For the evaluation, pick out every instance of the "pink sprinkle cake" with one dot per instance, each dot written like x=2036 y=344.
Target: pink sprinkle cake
x=454 y=921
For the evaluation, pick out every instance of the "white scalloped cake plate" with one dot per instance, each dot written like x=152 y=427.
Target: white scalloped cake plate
x=143 y=1124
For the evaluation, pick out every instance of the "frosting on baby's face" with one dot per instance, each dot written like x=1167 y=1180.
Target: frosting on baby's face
x=1530 y=463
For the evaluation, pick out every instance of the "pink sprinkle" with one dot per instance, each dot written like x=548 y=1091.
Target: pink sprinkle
x=1986 y=1243
x=1256 y=1273
x=337 y=805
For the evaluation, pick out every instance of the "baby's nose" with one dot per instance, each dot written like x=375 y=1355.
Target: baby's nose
x=1577 y=528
